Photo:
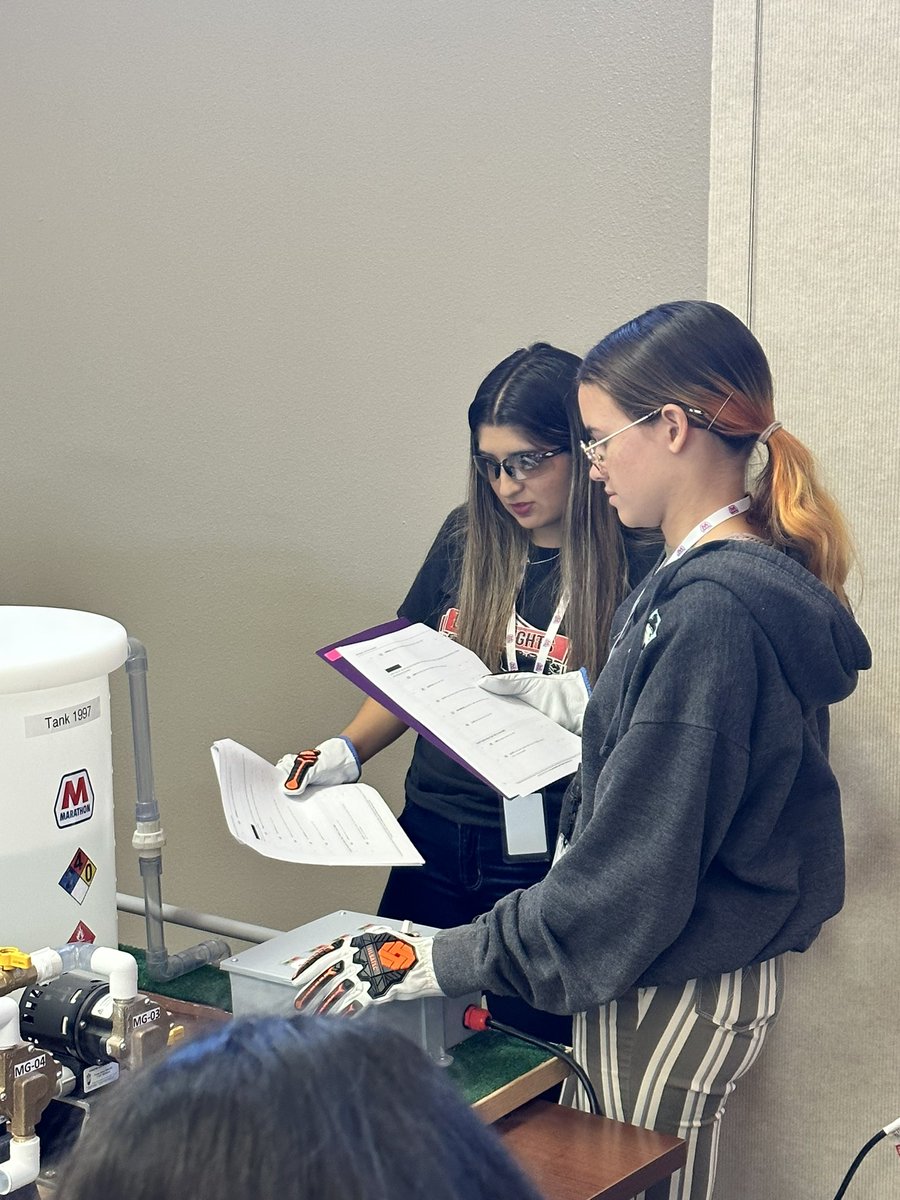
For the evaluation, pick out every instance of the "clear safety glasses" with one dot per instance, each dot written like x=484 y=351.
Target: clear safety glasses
x=593 y=450
x=517 y=466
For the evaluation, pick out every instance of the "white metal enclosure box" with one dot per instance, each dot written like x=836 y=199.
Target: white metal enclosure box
x=261 y=982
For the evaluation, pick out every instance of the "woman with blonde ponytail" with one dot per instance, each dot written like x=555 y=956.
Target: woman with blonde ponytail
x=701 y=840
x=704 y=833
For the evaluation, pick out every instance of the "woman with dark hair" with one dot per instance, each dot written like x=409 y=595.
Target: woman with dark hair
x=701 y=840
x=272 y=1108
x=528 y=575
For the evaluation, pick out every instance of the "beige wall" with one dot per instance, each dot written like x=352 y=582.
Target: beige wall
x=256 y=259
x=823 y=235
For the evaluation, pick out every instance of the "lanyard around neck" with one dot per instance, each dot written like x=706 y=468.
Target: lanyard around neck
x=512 y=663
x=700 y=530
x=703 y=527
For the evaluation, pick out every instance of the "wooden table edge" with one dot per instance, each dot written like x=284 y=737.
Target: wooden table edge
x=518 y=1091
x=525 y=1134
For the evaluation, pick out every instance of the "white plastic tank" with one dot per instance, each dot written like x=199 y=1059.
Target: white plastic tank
x=57 y=869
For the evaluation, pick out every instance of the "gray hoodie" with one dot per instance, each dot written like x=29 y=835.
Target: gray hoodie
x=704 y=827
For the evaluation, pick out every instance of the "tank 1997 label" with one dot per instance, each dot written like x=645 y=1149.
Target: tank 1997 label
x=63 y=718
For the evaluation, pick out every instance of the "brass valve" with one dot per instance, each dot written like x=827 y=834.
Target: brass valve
x=29 y=1079
x=11 y=958
x=15 y=969
x=140 y=1031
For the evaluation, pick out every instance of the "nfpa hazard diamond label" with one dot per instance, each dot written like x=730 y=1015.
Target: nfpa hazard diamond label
x=74 y=800
x=79 y=876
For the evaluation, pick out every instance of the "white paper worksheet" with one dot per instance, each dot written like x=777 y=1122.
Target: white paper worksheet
x=434 y=681
x=344 y=826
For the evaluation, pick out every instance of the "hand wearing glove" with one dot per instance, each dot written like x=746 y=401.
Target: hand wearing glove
x=333 y=761
x=371 y=967
x=563 y=698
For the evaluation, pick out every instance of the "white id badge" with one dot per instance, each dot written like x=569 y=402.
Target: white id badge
x=525 y=828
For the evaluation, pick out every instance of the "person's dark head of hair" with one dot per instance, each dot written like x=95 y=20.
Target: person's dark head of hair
x=532 y=389
x=301 y=1108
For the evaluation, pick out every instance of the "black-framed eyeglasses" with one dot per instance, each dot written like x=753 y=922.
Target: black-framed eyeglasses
x=517 y=466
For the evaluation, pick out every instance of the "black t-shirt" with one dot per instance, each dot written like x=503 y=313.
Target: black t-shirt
x=434 y=781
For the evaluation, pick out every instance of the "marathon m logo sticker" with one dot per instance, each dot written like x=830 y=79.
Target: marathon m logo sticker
x=74 y=799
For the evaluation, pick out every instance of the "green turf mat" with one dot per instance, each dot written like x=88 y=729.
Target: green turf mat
x=205 y=985
x=486 y=1061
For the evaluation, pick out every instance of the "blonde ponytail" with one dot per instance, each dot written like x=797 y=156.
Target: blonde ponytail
x=791 y=506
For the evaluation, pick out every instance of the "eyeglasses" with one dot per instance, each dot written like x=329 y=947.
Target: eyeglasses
x=517 y=466
x=592 y=450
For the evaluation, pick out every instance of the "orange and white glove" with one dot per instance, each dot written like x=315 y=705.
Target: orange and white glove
x=563 y=698
x=373 y=966
x=333 y=761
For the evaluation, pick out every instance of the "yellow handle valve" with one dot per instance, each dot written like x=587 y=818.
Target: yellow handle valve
x=12 y=958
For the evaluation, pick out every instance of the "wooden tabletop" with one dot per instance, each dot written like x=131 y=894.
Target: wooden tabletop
x=574 y=1155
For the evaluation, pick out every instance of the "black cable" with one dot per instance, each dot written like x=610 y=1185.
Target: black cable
x=552 y=1048
x=876 y=1137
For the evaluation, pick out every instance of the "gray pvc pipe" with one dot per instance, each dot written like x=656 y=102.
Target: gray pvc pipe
x=198 y=920
x=146 y=806
x=161 y=965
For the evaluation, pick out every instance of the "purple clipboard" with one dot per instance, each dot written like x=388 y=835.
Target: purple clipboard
x=331 y=654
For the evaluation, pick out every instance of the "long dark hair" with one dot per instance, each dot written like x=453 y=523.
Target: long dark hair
x=699 y=355
x=302 y=1108
x=534 y=390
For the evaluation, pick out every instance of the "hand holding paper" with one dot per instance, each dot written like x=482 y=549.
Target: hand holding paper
x=563 y=698
x=431 y=683
x=348 y=825
x=332 y=762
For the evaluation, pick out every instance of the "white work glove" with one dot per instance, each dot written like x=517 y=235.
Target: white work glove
x=370 y=967
x=333 y=761
x=563 y=698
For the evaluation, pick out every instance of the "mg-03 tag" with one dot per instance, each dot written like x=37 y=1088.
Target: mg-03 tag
x=525 y=829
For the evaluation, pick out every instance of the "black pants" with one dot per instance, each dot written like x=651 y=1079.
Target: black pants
x=463 y=876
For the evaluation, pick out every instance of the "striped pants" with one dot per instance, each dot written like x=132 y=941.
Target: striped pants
x=668 y=1058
